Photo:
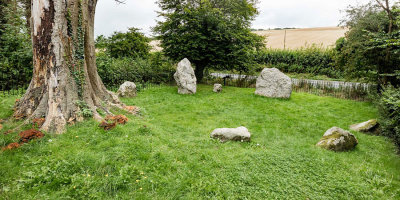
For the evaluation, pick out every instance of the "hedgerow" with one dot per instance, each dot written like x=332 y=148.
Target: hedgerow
x=311 y=60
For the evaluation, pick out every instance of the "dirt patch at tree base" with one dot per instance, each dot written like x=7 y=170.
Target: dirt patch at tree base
x=11 y=146
x=25 y=137
x=38 y=122
x=107 y=126
x=119 y=119
x=29 y=135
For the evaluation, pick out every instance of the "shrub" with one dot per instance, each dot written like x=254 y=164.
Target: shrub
x=154 y=69
x=306 y=60
x=130 y=44
x=389 y=107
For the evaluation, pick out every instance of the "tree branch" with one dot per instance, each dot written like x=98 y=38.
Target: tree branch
x=383 y=6
x=120 y=1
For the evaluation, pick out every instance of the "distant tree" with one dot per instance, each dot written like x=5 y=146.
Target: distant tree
x=362 y=53
x=130 y=44
x=15 y=45
x=210 y=33
x=101 y=42
x=385 y=5
x=3 y=20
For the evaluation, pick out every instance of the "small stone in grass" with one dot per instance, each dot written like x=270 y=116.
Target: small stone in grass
x=365 y=127
x=337 y=139
x=234 y=134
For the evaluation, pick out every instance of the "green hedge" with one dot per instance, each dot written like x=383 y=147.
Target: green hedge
x=154 y=69
x=389 y=107
x=307 y=60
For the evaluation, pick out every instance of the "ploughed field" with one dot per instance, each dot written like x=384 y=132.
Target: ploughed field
x=167 y=153
x=324 y=37
x=298 y=38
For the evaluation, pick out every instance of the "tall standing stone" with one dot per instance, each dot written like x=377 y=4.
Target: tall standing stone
x=185 y=78
x=274 y=84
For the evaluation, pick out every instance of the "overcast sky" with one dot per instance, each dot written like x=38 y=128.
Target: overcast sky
x=141 y=14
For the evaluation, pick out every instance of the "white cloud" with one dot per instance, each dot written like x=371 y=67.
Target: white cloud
x=111 y=16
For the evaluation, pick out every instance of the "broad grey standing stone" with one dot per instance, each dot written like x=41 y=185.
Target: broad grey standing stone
x=185 y=77
x=234 y=134
x=217 y=88
x=128 y=89
x=368 y=126
x=274 y=84
x=337 y=139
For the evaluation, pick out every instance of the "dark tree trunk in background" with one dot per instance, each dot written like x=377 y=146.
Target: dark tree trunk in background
x=65 y=69
x=3 y=4
x=384 y=71
x=199 y=72
x=27 y=10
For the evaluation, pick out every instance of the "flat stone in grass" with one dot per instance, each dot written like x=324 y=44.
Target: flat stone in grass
x=368 y=126
x=185 y=77
x=217 y=88
x=233 y=134
x=274 y=84
x=337 y=139
x=128 y=89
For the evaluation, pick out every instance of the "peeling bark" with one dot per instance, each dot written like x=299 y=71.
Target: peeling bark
x=65 y=68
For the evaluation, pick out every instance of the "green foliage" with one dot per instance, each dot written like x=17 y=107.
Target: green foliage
x=129 y=44
x=15 y=47
x=75 y=62
x=212 y=34
x=389 y=108
x=367 y=51
x=85 y=111
x=311 y=60
x=156 y=68
x=101 y=42
x=174 y=158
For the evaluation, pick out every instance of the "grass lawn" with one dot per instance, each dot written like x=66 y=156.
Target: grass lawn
x=167 y=153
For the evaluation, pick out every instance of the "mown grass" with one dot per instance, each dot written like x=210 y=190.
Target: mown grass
x=167 y=153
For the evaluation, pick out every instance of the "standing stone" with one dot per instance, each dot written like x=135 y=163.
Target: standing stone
x=234 y=134
x=337 y=139
x=128 y=89
x=368 y=126
x=185 y=78
x=217 y=88
x=273 y=83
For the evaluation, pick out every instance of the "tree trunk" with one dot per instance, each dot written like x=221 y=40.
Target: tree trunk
x=65 y=71
x=199 y=72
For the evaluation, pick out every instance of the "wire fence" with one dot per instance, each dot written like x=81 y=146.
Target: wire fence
x=338 y=89
x=14 y=85
x=141 y=86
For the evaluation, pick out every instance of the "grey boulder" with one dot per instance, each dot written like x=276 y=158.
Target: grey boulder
x=337 y=139
x=185 y=77
x=128 y=89
x=274 y=84
x=368 y=126
x=233 y=134
x=217 y=88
